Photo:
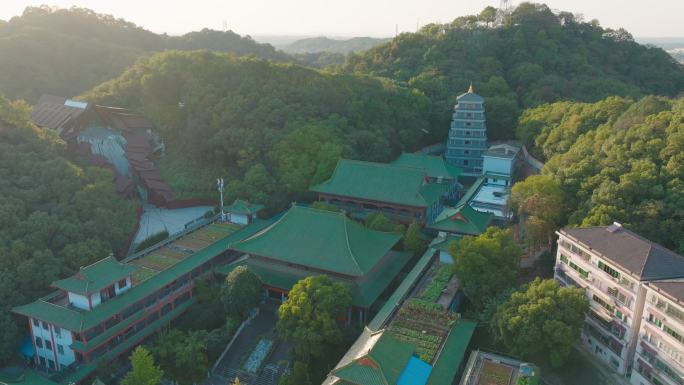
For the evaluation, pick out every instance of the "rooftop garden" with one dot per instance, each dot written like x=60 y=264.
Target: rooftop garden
x=424 y=326
x=439 y=281
x=493 y=373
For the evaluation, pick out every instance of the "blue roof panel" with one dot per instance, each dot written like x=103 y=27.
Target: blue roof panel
x=416 y=372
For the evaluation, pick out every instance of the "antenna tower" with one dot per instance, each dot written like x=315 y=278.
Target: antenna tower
x=505 y=8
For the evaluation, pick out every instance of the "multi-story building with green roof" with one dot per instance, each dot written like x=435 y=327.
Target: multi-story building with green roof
x=462 y=220
x=307 y=241
x=467 y=140
x=411 y=189
x=108 y=308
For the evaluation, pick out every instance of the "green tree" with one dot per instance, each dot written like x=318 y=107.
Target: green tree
x=488 y=15
x=319 y=205
x=183 y=356
x=380 y=222
x=299 y=376
x=309 y=319
x=487 y=264
x=541 y=321
x=540 y=202
x=9 y=337
x=144 y=372
x=414 y=240
x=241 y=291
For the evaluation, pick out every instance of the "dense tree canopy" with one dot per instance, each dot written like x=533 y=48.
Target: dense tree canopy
x=183 y=356
x=486 y=265
x=309 y=317
x=144 y=371
x=274 y=129
x=615 y=160
x=241 y=291
x=55 y=215
x=541 y=321
x=67 y=51
x=535 y=57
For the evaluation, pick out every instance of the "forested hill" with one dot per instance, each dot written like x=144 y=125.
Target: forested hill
x=68 y=51
x=55 y=216
x=272 y=129
x=615 y=160
x=326 y=44
x=535 y=57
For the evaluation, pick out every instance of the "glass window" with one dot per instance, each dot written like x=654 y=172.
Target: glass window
x=122 y=283
x=45 y=325
x=612 y=272
x=39 y=342
x=58 y=331
x=48 y=345
x=60 y=349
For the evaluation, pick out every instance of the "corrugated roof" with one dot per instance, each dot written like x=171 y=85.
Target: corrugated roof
x=323 y=240
x=379 y=182
x=434 y=166
x=462 y=219
x=630 y=252
x=95 y=277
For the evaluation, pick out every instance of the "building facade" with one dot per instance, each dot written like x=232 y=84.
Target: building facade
x=467 y=140
x=614 y=266
x=659 y=356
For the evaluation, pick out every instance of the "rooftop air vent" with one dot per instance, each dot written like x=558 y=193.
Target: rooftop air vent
x=614 y=227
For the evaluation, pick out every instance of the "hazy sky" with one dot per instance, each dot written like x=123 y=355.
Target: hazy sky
x=352 y=17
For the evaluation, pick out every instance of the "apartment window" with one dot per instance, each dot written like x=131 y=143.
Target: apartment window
x=58 y=331
x=60 y=349
x=36 y=323
x=51 y=364
x=612 y=272
x=122 y=284
x=467 y=142
x=467 y=133
x=583 y=273
x=652 y=319
x=39 y=342
x=564 y=258
x=468 y=124
x=467 y=152
x=618 y=314
x=673 y=333
x=48 y=345
x=45 y=325
x=603 y=303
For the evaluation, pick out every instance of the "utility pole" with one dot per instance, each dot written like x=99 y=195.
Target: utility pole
x=220 y=188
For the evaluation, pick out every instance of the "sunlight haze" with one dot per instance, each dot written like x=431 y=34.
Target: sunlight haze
x=352 y=17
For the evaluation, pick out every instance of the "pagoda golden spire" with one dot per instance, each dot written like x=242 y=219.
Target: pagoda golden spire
x=470 y=89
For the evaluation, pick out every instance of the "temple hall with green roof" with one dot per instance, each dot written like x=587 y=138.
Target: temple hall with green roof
x=412 y=188
x=307 y=241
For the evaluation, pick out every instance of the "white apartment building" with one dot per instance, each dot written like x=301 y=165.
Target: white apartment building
x=659 y=356
x=614 y=266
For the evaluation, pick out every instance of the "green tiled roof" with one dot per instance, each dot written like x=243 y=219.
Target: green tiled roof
x=378 y=182
x=382 y=365
x=29 y=377
x=364 y=292
x=243 y=207
x=75 y=320
x=450 y=359
x=322 y=240
x=435 y=166
x=462 y=219
x=95 y=277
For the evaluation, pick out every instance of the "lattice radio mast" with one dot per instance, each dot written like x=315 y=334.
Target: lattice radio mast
x=505 y=7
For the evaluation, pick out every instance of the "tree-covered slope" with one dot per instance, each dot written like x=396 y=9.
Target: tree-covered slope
x=326 y=44
x=616 y=160
x=67 y=52
x=55 y=216
x=272 y=129
x=535 y=57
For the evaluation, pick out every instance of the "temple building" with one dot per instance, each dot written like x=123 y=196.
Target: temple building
x=414 y=188
x=307 y=241
x=109 y=307
x=467 y=140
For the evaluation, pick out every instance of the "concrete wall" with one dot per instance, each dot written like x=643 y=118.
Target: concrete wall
x=56 y=337
x=239 y=219
x=79 y=301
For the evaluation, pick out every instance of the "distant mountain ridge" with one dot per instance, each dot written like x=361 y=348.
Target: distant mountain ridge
x=326 y=44
x=68 y=51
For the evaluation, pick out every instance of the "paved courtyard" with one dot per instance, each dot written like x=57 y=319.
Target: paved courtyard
x=232 y=364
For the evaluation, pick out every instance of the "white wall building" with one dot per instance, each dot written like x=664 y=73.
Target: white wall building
x=614 y=266
x=660 y=352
